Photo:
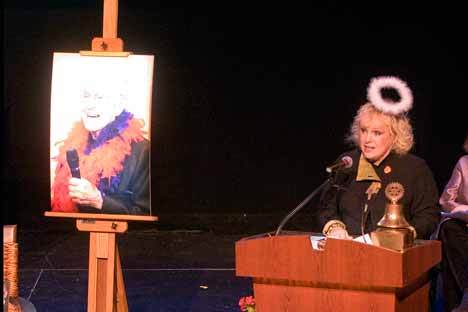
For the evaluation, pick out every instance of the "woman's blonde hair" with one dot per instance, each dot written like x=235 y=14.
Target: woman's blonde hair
x=399 y=125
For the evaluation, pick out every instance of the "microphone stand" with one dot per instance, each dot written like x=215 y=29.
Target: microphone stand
x=302 y=204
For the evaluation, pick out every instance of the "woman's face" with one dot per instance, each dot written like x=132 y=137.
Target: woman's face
x=99 y=109
x=375 y=136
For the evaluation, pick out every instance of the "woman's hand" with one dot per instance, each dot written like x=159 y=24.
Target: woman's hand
x=339 y=233
x=84 y=192
x=336 y=232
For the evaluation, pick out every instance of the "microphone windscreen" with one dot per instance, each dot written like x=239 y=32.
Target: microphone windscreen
x=348 y=161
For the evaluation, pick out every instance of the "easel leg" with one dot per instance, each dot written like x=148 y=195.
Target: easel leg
x=121 y=296
x=101 y=272
x=106 y=289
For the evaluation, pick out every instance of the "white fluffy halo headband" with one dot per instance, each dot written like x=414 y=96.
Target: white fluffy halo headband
x=374 y=95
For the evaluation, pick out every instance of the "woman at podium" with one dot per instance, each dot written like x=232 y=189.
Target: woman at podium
x=383 y=136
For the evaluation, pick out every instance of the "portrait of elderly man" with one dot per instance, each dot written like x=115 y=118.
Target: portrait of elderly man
x=111 y=154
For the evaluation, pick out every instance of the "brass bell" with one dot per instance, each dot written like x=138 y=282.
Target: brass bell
x=393 y=217
x=393 y=231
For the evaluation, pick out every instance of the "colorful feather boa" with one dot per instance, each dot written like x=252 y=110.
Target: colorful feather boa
x=100 y=159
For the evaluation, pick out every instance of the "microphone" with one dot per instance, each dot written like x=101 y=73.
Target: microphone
x=344 y=162
x=73 y=163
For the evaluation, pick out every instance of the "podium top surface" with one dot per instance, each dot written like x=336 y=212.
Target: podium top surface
x=344 y=262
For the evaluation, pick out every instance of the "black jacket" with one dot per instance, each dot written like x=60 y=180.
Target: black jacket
x=133 y=192
x=345 y=200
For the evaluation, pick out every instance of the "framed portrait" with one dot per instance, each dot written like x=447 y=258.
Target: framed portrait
x=100 y=126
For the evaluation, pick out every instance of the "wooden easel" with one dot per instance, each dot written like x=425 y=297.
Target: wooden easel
x=106 y=289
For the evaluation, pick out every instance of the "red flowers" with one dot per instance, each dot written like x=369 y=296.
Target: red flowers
x=247 y=304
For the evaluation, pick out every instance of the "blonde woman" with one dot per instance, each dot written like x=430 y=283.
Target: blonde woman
x=383 y=136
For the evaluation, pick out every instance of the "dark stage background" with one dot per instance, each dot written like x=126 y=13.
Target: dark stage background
x=250 y=102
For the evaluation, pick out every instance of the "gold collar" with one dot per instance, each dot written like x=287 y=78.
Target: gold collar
x=366 y=171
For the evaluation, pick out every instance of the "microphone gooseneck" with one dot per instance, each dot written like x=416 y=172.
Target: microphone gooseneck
x=344 y=163
x=302 y=204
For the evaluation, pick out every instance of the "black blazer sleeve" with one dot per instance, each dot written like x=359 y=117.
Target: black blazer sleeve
x=133 y=195
x=425 y=211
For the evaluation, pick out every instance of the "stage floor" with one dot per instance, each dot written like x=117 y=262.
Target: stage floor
x=164 y=269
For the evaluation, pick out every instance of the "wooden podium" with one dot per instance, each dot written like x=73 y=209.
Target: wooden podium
x=289 y=275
